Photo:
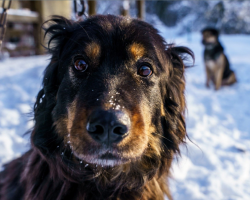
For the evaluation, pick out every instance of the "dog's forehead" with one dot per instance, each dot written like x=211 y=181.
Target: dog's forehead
x=208 y=34
x=118 y=35
x=135 y=50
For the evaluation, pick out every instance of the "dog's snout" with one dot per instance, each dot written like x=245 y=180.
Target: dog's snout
x=108 y=127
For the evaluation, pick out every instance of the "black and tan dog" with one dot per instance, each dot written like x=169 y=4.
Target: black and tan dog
x=217 y=66
x=109 y=118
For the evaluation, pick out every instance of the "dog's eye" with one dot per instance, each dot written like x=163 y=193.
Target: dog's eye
x=145 y=71
x=81 y=65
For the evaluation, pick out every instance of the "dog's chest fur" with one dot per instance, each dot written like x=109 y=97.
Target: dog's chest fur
x=213 y=52
x=213 y=56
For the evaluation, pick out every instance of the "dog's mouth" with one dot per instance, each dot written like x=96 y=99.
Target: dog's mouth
x=103 y=159
x=109 y=156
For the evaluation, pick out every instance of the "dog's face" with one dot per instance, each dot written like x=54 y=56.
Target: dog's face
x=118 y=92
x=209 y=37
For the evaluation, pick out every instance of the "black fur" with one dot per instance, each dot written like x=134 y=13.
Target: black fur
x=51 y=170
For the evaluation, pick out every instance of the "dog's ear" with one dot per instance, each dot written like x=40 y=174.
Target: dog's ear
x=174 y=100
x=176 y=83
x=59 y=31
x=43 y=137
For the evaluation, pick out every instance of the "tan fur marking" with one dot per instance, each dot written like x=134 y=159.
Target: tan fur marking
x=220 y=63
x=162 y=110
x=93 y=51
x=137 y=51
x=61 y=126
x=71 y=115
x=209 y=37
x=64 y=124
x=134 y=145
x=214 y=71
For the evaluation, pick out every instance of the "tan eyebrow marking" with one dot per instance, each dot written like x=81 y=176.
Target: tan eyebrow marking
x=137 y=50
x=93 y=50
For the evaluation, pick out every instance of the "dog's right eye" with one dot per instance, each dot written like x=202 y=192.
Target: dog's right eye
x=80 y=65
x=145 y=71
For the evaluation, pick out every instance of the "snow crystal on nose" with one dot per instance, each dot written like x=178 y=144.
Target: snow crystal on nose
x=117 y=107
x=114 y=101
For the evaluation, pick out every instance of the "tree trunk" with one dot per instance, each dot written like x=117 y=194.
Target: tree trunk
x=141 y=9
x=92 y=7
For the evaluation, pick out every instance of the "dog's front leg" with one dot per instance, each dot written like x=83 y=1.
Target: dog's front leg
x=218 y=77
x=219 y=71
x=208 y=76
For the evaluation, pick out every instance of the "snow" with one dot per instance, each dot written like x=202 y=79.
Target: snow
x=21 y=12
x=20 y=80
x=215 y=164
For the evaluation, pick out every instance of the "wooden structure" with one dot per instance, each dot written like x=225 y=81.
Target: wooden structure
x=24 y=35
x=24 y=21
x=124 y=10
x=92 y=7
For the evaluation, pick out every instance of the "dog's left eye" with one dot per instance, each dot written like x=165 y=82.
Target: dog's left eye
x=145 y=71
x=81 y=65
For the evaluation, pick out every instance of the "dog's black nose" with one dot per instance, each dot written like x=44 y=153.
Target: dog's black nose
x=108 y=127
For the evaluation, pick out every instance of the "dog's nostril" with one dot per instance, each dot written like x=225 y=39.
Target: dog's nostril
x=99 y=129
x=92 y=128
x=120 y=130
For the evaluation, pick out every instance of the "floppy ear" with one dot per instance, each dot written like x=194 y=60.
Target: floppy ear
x=173 y=122
x=59 y=31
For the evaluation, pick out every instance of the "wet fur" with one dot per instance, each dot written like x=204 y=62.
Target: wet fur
x=50 y=170
x=216 y=63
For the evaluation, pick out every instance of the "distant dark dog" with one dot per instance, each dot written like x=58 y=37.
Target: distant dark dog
x=109 y=118
x=217 y=66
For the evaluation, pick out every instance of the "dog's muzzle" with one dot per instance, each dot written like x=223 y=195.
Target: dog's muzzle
x=108 y=127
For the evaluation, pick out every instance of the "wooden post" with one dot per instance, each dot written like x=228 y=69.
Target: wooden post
x=125 y=8
x=92 y=7
x=141 y=9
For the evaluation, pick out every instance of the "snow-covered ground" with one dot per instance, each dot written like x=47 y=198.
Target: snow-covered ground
x=215 y=166
x=20 y=80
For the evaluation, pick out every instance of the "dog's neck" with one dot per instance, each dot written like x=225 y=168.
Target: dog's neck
x=71 y=182
x=210 y=46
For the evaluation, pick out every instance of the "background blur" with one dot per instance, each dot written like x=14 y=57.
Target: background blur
x=216 y=164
